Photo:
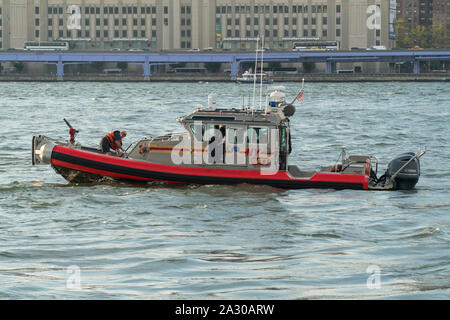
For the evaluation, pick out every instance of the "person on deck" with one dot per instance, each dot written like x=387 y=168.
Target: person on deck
x=113 y=140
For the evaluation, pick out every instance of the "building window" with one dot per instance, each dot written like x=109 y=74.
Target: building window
x=338 y=20
x=338 y=8
x=50 y=33
x=338 y=32
x=36 y=22
x=105 y=34
x=324 y=20
x=50 y=22
x=324 y=33
x=36 y=10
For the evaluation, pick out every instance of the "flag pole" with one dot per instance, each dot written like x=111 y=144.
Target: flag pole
x=301 y=90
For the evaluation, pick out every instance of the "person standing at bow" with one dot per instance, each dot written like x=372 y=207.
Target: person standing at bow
x=113 y=140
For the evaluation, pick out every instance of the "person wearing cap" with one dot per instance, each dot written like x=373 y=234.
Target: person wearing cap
x=113 y=140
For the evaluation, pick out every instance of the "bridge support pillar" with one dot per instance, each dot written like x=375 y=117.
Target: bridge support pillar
x=330 y=67
x=59 y=70
x=416 y=67
x=147 y=72
x=147 y=69
x=234 y=68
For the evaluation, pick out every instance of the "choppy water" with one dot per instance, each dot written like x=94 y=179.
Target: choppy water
x=225 y=242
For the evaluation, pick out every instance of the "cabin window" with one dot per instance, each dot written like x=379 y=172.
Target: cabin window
x=258 y=135
x=235 y=136
x=198 y=130
x=235 y=151
x=283 y=141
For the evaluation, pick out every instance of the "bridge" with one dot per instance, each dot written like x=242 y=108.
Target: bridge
x=149 y=59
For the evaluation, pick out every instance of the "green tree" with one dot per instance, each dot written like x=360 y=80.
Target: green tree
x=274 y=64
x=19 y=66
x=309 y=67
x=438 y=36
x=122 y=65
x=213 y=67
x=402 y=34
x=98 y=66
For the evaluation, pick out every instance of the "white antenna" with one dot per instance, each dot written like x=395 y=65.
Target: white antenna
x=254 y=76
x=261 y=75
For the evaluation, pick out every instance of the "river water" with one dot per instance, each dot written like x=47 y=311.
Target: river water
x=225 y=242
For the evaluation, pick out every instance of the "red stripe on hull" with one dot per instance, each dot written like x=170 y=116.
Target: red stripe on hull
x=192 y=171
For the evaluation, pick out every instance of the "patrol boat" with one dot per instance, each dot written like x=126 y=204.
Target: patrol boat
x=248 y=77
x=224 y=146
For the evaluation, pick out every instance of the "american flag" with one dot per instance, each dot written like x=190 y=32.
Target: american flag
x=300 y=96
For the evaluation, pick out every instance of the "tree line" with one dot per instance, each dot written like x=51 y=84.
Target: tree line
x=421 y=36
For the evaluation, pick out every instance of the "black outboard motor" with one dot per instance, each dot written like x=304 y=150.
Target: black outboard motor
x=404 y=171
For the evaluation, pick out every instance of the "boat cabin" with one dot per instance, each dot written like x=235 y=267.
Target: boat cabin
x=240 y=139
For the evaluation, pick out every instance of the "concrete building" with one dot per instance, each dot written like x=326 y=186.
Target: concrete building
x=186 y=24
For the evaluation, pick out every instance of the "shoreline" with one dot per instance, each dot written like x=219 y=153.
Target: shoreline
x=224 y=78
